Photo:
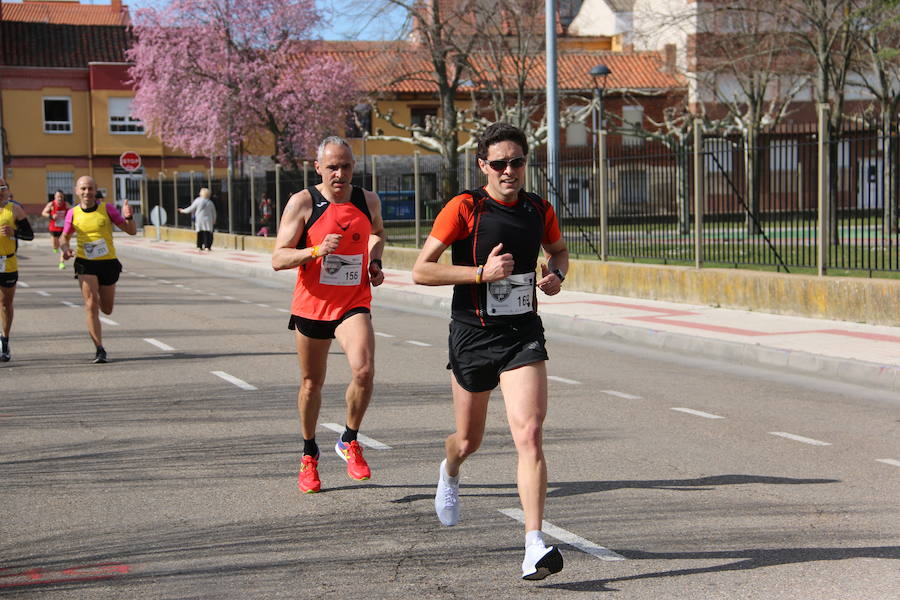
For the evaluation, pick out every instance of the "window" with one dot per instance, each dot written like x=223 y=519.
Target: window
x=359 y=120
x=418 y=116
x=57 y=115
x=632 y=120
x=120 y=119
x=60 y=180
x=576 y=131
x=783 y=155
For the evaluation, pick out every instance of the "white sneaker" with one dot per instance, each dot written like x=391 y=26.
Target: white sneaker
x=446 y=500
x=541 y=561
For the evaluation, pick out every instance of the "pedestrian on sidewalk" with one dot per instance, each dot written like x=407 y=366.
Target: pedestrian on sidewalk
x=265 y=215
x=55 y=211
x=333 y=234
x=96 y=265
x=14 y=226
x=204 y=211
x=496 y=335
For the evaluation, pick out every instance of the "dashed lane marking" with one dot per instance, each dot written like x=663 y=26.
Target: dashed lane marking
x=563 y=380
x=698 y=413
x=362 y=439
x=164 y=281
x=42 y=293
x=418 y=343
x=263 y=305
x=234 y=380
x=22 y=284
x=245 y=302
x=69 y=304
x=228 y=297
x=800 y=438
x=567 y=537
x=385 y=335
x=159 y=344
x=620 y=394
x=108 y=321
x=889 y=461
x=282 y=310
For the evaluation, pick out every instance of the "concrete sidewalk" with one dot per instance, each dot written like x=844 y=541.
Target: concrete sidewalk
x=849 y=352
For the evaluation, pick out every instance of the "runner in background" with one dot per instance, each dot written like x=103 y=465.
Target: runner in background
x=96 y=265
x=56 y=211
x=14 y=226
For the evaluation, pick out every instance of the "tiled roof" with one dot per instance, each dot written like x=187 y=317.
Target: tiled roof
x=43 y=45
x=65 y=13
x=393 y=67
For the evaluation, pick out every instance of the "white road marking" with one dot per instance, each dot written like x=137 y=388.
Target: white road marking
x=263 y=305
x=889 y=461
x=164 y=281
x=282 y=310
x=159 y=344
x=567 y=537
x=22 y=284
x=180 y=285
x=234 y=380
x=246 y=302
x=620 y=394
x=563 y=380
x=67 y=303
x=43 y=293
x=387 y=335
x=108 y=321
x=799 y=438
x=229 y=297
x=416 y=343
x=698 y=413
x=362 y=439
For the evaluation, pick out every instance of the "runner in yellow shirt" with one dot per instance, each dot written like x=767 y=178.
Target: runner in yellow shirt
x=14 y=226
x=96 y=265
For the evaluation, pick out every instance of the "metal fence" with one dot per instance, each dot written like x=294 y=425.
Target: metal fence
x=710 y=200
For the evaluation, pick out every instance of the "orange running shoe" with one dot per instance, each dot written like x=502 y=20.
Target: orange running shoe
x=356 y=464
x=308 y=479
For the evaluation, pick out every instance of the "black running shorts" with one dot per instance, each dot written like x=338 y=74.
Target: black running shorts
x=322 y=330
x=478 y=355
x=9 y=280
x=107 y=271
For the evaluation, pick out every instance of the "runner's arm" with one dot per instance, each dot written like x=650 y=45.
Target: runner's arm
x=376 y=239
x=23 y=227
x=286 y=254
x=47 y=210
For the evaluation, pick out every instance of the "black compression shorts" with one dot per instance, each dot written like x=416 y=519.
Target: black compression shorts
x=107 y=271
x=479 y=354
x=322 y=330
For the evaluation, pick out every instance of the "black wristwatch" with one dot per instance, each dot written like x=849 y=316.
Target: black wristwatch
x=559 y=274
x=377 y=261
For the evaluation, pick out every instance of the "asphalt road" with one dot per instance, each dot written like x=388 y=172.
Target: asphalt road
x=171 y=471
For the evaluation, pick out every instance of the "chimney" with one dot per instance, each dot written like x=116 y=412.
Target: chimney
x=670 y=58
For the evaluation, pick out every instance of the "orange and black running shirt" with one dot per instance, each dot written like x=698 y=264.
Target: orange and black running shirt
x=472 y=224
x=328 y=286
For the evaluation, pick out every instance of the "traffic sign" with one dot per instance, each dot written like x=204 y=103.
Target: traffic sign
x=158 y=216
x=130 y=161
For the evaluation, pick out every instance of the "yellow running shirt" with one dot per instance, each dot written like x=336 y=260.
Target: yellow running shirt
x=93 y=229
x=8 y=264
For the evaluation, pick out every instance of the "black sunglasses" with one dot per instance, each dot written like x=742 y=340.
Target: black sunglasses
x=500 y=165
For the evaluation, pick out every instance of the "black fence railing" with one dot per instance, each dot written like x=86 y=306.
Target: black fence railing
x=760 y=199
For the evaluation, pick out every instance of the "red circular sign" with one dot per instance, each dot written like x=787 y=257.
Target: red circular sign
x=130 y=161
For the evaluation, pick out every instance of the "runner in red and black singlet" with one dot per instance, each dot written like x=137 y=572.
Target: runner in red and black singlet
x=333 y=234
x=55 y=211
x=496 y=335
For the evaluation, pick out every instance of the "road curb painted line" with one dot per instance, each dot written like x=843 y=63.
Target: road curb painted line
x=698 y=413
x=563 y=380
x=159 y=344
x=800 y=438
x=234 y=380
x=567 y=537
x=362 y=439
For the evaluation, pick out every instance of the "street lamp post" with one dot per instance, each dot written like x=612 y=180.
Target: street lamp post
x=599 y=74
x=598 y=159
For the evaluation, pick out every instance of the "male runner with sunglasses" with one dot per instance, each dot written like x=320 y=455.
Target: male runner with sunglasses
x=496 y=335
x=14 y=226
x=333 y=235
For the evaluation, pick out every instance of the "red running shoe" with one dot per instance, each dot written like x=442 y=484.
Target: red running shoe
x=356 y=465
x=308 y=479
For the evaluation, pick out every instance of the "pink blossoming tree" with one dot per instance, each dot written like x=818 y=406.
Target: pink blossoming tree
x=214 y=73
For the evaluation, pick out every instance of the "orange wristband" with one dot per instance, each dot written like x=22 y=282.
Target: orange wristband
x=315 y=251
x=479 y=273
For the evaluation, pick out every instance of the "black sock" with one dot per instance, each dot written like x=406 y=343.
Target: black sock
x=310 y=447
x=4 y=342
x=349 y=435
